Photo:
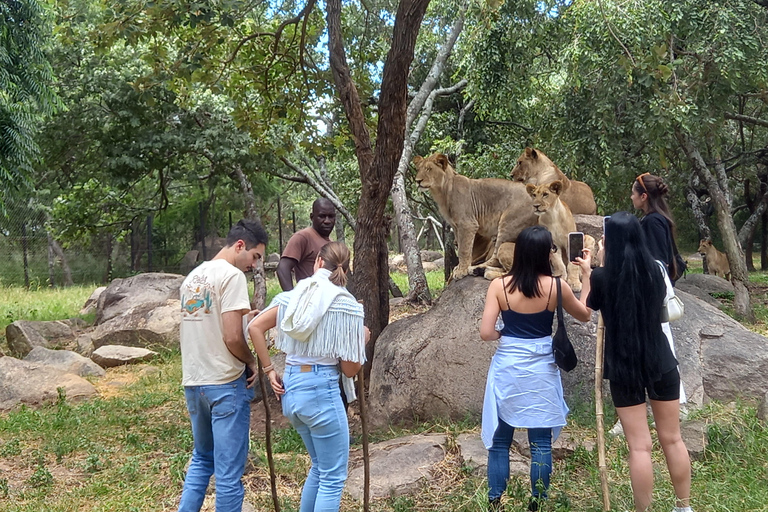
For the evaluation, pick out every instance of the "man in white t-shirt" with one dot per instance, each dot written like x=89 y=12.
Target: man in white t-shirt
x=214 y=359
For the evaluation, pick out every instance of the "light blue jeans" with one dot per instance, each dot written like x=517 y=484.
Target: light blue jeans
x=220 y=417
x=540 y=441
x=312 y=402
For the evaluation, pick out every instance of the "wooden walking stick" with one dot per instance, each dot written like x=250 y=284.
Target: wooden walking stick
x=268 y=436
x=599 y=412
x=364 y=421
x=258 y=301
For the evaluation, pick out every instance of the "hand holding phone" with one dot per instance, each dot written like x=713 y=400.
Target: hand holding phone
x=575 y=245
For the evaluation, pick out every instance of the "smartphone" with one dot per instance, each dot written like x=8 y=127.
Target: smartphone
x=575 y=245
x=605 y=221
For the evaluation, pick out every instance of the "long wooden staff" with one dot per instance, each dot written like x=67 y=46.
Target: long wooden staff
x=258 y=301
x=599 y=412
x=268 y=436
x=364 y=421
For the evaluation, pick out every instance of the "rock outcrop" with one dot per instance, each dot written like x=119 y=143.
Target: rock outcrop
x=25 y=382
x=66 y=361
x=434 y=365
x=110 y=356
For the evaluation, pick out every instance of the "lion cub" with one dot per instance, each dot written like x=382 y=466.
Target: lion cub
x=717 y=262
x=555 y=215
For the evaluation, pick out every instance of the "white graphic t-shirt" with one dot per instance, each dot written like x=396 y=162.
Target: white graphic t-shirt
x=213 y=288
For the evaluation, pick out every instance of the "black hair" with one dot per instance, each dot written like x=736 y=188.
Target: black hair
x=249 y=231
x=634 y=295
x=532 y=249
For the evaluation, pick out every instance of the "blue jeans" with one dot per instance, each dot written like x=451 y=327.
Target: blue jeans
x=220 y=416
x=540 y=440
x=312 y=402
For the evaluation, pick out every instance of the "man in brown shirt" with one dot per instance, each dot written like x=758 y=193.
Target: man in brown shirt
x=299 y=255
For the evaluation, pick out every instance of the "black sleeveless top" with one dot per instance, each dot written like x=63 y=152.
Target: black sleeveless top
x=527 y=325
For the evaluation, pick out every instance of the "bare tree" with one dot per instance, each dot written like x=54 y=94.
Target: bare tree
x=377 y=167
x=717 y=186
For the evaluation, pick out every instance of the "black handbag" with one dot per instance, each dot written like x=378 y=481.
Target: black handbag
x=565 y=356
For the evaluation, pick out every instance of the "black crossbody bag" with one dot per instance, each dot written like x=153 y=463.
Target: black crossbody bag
x=565 y=356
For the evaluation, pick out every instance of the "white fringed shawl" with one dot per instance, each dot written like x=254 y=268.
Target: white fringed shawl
x=335 y=325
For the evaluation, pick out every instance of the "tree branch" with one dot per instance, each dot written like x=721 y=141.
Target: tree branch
x=746 y=119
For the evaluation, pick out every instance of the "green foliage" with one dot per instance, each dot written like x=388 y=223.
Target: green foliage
x=25 y=88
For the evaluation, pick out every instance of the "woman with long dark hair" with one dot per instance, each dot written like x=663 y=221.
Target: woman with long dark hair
x=649 y=194
x=629 y=292
x=320 y=329
x=524 y=389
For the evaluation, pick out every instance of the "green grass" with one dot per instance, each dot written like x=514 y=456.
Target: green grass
x=435 y=281
x=41 y=304
x=126 y=450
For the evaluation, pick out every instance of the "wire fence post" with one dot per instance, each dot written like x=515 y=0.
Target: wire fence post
x=149 y=242
x=51 y=276
x=24 y=250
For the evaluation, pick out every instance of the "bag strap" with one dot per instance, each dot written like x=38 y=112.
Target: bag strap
x=560 y=320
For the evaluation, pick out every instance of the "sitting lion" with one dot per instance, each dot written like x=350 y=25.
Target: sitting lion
x=555 y=215
x=717 y=262
x=483 y=209
x=536 y=168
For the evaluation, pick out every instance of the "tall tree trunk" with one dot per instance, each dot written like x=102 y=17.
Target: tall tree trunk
x=764 y=243
x=251 y=213
x=718 y=190
x=417 y=280
x=64 y=263
x=377 y=171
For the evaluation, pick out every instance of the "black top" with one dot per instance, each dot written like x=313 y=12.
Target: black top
x=527 y=326
x=658 y=235
x=655 y=355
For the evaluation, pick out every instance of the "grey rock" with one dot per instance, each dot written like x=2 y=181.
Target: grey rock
x=476 y=456
x=590 y=225
x=398 y=466
x=25 y=382
x=146 y=290
x=273 y=258
x=433 y=365
x=427 y=255
x=703 y=286
x=563 y=446
x=428 y=266
x=24 y=335
x=109 y=356
x=66 y=361
x=85 y=345
x=439 y=263
x=151 y=325
x=694 y=435
x=92 y=301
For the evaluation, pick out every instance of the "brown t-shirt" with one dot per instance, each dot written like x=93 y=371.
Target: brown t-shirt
x=304 y=247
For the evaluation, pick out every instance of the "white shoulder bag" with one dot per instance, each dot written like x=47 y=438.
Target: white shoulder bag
x=673 y=308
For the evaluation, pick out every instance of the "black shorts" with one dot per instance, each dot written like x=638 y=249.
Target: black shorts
x=664 y=390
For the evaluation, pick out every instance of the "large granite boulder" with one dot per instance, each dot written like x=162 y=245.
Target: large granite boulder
x=704 y=286
x=25 y=382
x=150 y=325
x=149 y=290
x=93 y=300
x=66 y=361
x=24 y=335
x=434 y=365
x=590 y=225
